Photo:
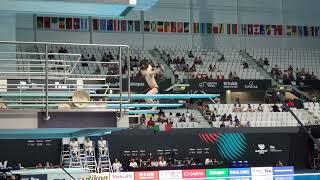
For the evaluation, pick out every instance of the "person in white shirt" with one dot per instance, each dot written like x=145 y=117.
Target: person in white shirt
x=162 y=163
x=133 y=164
x=102 y=146
x=88 y=146
x=74 y=147
x=117 y=166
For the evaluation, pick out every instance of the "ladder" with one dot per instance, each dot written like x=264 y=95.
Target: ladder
x=75 y=161
x=104 y=161
x=90 y=162
x=65 y=153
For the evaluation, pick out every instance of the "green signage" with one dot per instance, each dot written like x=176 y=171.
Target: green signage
x=222 y=172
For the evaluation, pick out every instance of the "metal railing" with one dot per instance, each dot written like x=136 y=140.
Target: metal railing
x=47 y=65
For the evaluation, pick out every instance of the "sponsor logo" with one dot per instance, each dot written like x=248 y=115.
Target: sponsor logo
x=239 y=172
x=174 y=174
x=261 y=171
x=122 y=176
x=3 y=164
x=208 y=84
x=230 y=85
x=98 y=176
x=34 y=177
x=146 y=175
x=194 y=173
x=283 y=170
x=251 y=85
x=223 y=172
x=261 y=149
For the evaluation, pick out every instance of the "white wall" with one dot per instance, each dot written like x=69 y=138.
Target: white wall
x=287 y=12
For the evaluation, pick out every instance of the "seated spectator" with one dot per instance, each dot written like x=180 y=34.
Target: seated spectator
x=237 y=121
x=74 y=147
x=190 y=55
x=117 y=166
x=260 y=63
x=221 y=58
x=245 y=65
x=248 y=124
x=133 y=163
x=213 y=116
x=162 y=162
x=110 y=56
x=183 y=61
x=290 y=69
x=142 y=119
x=266 y=62
x=313 y=77
x=208 y=162
x=235 y=76
x=250 y=109
x=230 y=75
x=182 y=118
x=222 y=124
x=97 y=71
x=61 y=50
x=223 y=117
x=275 y=108
x=51 y=56
x=285 y=107
x=260 y=108
x=93 y=58
x=210 y=68
x=105 y=58
x=39 y=165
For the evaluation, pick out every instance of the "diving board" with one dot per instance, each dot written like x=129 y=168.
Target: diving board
x=18 y=95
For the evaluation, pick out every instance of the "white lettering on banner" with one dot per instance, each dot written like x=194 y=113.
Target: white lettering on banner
x=261 y=149
x=230 y=85
x=3 y=164
x=135 y=84
x=251 y=85
x=261 y=171
x=194 y=173
x=237 y=172
x=208 y=84
x=122 y=176
x=274 y=149
x=174 y=174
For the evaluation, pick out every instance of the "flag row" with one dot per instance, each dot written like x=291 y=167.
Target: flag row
x=123 y=25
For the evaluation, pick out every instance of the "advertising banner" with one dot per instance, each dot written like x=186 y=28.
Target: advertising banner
x=211 y=85
x=34 y=177
x=146 y=175
x=261 y=171
x=170 y=174
x=122 y=176
x=283 y=170
x=239 y=172
x=194 y=174
x=98 y=176
x=221 y=172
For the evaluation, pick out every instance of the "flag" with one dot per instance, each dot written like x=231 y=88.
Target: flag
x=40 y=22
x=311 y=31
x=69 y=23
x=262 y=29
x=62 y=23
x=268 y=30
x=209 y=28
x=160 y=26
x=123 y=25
x=215 y=29
x=250 y=29
x=289 y=30
x=167 y=27
x=154 y=26
x=103 y=25
x=244 y=29
x=116 y=25
x=196 y=27
x=110 y=25
x=317 y=31
x=305 y=30
x=186 y=27
x=202 y=28
x=76 y=23
x=173 y=27
x=47 y=22
x=180 y=27
x=294 y=30
x=228 y=28
x=54 y=23
x=278 y=30
x=95 y=24
x=234 y=28
x=221 y=29
x=84 y=24
x=162 y=127
x=300 y=31
x=146 y=26
x=256 y=29
x=137 y=27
